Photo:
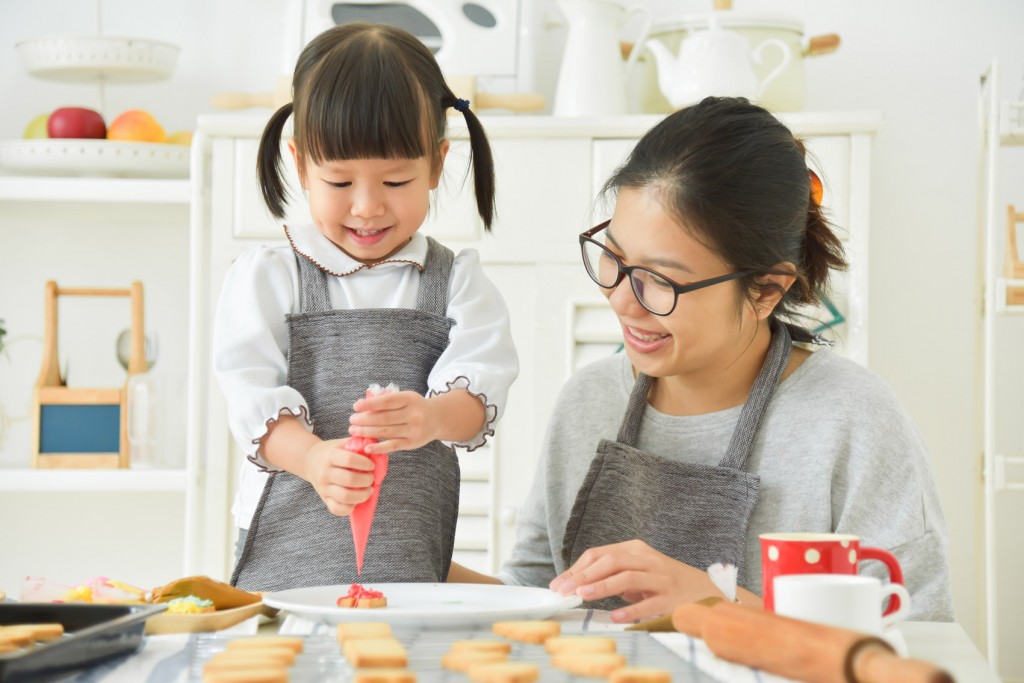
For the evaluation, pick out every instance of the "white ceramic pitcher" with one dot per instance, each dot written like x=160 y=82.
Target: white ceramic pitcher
x=714 y=62
x=592 y=78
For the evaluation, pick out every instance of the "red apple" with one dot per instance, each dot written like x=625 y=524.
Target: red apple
x=76 y=122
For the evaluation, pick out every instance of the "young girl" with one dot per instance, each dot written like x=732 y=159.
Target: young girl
x=712 y=427
x=356 y=298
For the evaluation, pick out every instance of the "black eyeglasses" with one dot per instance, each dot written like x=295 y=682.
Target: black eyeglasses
x=654 y=291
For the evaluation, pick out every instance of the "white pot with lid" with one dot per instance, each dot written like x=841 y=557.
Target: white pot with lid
x=784 y=92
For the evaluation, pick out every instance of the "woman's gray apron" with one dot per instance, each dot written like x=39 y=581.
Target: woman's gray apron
x=334 y=355
x=697 y=514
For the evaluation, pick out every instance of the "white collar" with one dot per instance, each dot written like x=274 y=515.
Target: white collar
x=307 y=241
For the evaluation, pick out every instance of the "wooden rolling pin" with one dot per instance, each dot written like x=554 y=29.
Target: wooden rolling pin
x=799 y=649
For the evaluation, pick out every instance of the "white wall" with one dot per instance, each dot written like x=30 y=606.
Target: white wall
x=917 y=62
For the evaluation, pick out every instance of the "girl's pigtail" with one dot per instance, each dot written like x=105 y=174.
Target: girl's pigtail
x=483 y=163
x=269 y=169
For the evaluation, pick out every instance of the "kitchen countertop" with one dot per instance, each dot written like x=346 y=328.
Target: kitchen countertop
x=166 y=659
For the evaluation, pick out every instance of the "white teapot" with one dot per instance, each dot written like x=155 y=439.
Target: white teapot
x=715 y=61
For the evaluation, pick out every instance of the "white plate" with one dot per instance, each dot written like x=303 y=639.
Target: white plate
x=426 y=604
x=77 y=59
x=72 y=156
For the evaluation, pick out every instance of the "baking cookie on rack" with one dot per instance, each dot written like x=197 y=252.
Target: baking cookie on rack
x=570 y=644
x=467 y=659
x=639 y=674
x=363 y=629
x=383 y=676
x=245 y=676
x=481 y=646
x=505 y=672
x=596 y=664
x=283 y=656
x=256 y=642
x=535 y=632
x=373 y=653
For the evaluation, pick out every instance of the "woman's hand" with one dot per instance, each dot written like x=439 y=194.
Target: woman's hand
x=655 y=583
x=341 y=478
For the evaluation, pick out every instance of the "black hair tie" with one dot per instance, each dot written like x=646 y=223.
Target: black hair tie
x=461 y=105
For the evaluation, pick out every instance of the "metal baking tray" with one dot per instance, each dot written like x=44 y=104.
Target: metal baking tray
x=92 y=633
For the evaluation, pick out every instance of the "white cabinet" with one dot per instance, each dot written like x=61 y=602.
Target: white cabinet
x=548 y=171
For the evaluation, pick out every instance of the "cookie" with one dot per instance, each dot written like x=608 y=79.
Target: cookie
x=363 y=603
x=270 y=675
x=505 y=672
x=579 y=644
x=384 y=676
x=276 y=655
x=366 y=653
x=464 y=661
x=363 y=629
x=42 y=632
x=596 y=664
x=293 y=642
x=527 y=631
x=481 y=646
x=18 y=635
x=636 y=674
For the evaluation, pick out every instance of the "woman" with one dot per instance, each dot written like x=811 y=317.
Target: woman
x=713 y=427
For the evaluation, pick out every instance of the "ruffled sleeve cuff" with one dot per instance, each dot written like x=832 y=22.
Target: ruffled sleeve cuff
x=256 y=456
x=490 y=414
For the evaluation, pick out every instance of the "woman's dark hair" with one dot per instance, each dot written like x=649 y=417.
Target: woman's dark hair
x=738 y=181
x=369 y=91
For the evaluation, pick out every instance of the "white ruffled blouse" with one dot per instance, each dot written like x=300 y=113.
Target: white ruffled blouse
x=250 y=336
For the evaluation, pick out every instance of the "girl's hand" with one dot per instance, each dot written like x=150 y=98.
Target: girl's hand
x=655 y=583
x=341 y=478
x=400 y=421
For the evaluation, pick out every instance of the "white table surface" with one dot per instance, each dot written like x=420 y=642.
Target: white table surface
x=165 y=659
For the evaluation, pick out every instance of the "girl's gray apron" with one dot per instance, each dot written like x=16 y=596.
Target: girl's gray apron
x=697 y=514
x=334 y=355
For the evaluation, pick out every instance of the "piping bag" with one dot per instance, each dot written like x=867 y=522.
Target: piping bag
x=361 y=517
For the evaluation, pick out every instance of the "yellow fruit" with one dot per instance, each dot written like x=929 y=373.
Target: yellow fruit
x=36 y=128
x=181 y=137
x=136 y=125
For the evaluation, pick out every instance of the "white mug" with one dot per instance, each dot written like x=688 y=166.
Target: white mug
x=844 y=600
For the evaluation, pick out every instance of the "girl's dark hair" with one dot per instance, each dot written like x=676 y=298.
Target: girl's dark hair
x=369 y=91
x=738 y=181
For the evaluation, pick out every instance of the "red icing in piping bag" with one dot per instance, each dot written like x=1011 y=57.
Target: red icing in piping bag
x=361 y=517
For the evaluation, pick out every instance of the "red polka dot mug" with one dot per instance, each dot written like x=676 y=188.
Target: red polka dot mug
x=810 y=553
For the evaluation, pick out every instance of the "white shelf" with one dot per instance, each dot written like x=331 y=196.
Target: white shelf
x=92 y=481
x=1002 y=285
x=118 y=190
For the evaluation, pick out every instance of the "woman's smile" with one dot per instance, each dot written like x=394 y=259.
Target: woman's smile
x=645 y=341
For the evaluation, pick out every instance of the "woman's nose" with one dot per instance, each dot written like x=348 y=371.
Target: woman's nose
x=624 y=301
x=367 y=203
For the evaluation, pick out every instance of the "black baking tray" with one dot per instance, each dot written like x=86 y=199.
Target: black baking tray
x=92 y=633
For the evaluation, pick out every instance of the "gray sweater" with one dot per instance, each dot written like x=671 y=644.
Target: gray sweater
x=836 y=453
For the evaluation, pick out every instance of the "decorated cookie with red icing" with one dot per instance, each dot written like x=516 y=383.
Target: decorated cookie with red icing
x=361 y=597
